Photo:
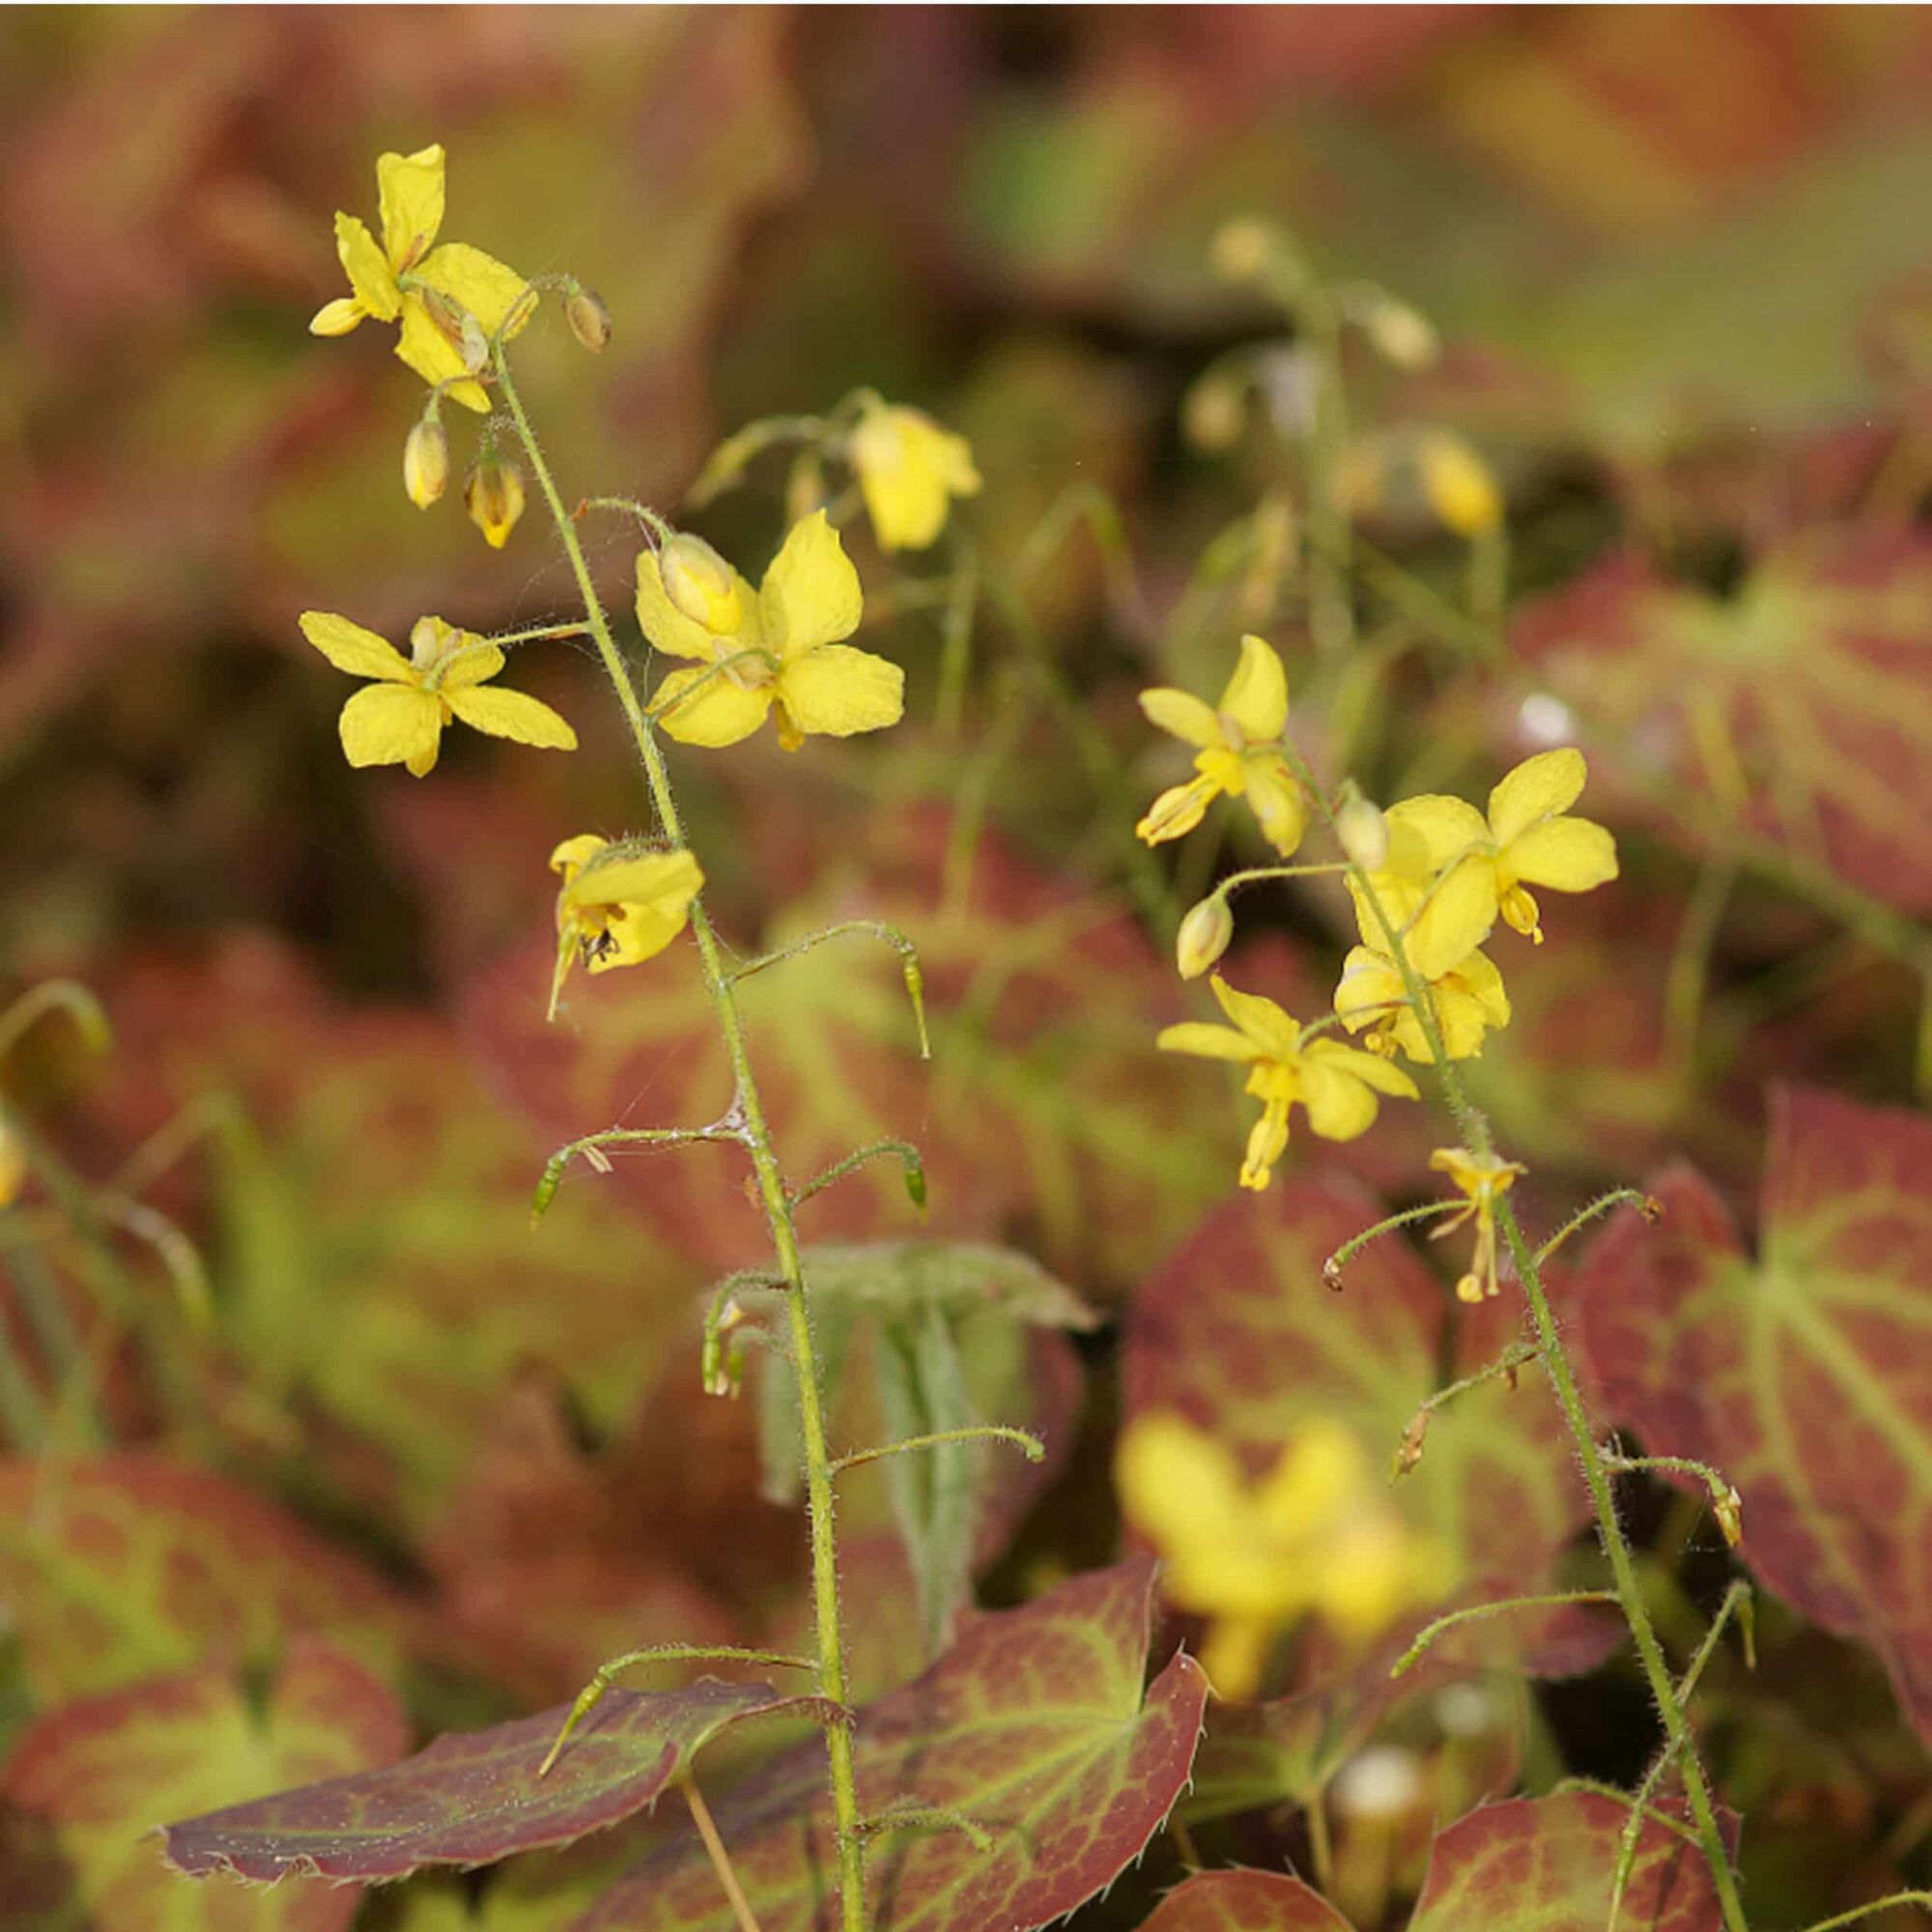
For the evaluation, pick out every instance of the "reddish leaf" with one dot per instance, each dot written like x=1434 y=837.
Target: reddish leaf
x=133 y=1566
x=1803 y=700
x=373 y=1261
x=101 y=1771
x=1244 y=1901
x=1043 y=1102
x=1804 y=1376
x=474 y=1796
x=1237 y=1332
x=1546 y=1864
x=1034 y=1725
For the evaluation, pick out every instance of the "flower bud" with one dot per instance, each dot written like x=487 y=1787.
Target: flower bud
x=1459 y=485
x=1241 y=248
x=1204 y=936
x=700 y=583
x=426 y=462
x=1363 y=832
x=1398 y=334
x=1212 y=412
x=589 y=319
x=493 y=496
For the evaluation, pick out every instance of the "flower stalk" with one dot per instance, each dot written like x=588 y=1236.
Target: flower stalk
x=772 y=1192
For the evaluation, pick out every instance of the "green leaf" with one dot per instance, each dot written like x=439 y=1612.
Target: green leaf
x=1238 y=1900
x=1546 y=1864
x=100 y=1772
x=1036 y=1725
x=134 y=1566
x=1804 y=1376
x=474 y=1798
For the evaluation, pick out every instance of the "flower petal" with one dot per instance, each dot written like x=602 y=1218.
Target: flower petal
x=1276 y=801
x=574 y=854
x=514 y=715
x=1340 y=1107
x=1455 y=919
x=424 y=347
x=410 y=198
x=1177 y=811
x=1447 y=827
x=337 y=317
x=367 y=269
x=392 y=724
x=1567 y=855
x=1207 y=1041
x=1540 y=788
x=489 y=289
x=349 y=647
x=721 y=713
x=837 y=690
x=644 y=879
x=1478 y=981
x=471 y=663
x=810 y=595
x=1264 y=1022
x=1257 y=694
x=664 y=625
x=1370 y=985
x=909 y=469
x=1176 y=1484
x=1182 y=714
x=1381 y=1074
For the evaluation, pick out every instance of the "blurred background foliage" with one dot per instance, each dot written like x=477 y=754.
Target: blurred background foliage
x=1680 y=264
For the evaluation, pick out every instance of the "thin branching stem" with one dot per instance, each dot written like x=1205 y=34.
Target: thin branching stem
x=1517 y=1355
x=50 y=996
x=1478 y=1139
x=1471 y=1613
x=877 y=929
x=1331 y=1268
x=720 y=1859
x=1023 y=1439
x=1595 y=1211
x=909 y=1155
x=757 y=1139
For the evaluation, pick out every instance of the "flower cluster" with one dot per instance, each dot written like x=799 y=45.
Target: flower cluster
x=1429 y=879
x=1316 y=1536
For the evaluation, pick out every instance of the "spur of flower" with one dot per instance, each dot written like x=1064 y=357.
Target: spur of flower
x=398 y=718
x=619 y=905
x=1452 y=870
x=1338 y=1085
x=1237 y=753
x=1485 y=1180
x=771 y=652
x=910 y=468
x=403 y=279
x=1317 y=1535
x=1468 y=1001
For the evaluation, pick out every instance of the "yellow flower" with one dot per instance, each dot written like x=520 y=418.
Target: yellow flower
x=774 y=651
x=1317 y=1535
x=1337 y=1083
x=910 y=469
x=619 y=905
x=1485 y=1179
x=1469 y=1000
x=404 y=279
x=1450 y=871
x=398 y=719
x=1239 y=755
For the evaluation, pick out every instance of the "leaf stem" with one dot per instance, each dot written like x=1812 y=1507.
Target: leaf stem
x=756 y=1133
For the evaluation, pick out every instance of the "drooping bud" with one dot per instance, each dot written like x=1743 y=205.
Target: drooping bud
x=1212 y=412
x=1242 y=247
x=1204 y=936
x=1363 y=832
x=700 y=583
x=1730 y=1512
x=589 y=319
x=493 y=496
x=1398 y=334
x=1459 y=487
x=426 y=462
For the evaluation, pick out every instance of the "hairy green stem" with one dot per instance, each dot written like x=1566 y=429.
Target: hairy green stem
x=1478 y=1139
x=831 y=1647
